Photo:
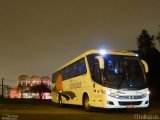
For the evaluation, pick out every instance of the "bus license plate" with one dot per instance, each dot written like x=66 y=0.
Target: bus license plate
x=130 y=106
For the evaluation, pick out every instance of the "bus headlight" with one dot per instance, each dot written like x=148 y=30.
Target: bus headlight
x=110 y=93
x=114 y=95
x=146 y=93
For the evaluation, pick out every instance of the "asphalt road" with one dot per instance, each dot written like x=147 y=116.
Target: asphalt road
x=69 y=112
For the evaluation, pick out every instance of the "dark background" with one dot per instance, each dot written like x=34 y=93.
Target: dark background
x=38 y=36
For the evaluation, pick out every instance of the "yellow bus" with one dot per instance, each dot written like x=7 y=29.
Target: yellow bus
x=104 y=79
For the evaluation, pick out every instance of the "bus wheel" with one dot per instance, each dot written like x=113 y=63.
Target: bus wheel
x=60 y=103
x=86 y=104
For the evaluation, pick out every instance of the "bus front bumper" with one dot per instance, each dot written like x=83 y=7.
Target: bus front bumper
x=126 y=103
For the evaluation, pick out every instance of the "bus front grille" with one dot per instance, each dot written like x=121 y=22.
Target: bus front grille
x=129 y=103
x=130 y=97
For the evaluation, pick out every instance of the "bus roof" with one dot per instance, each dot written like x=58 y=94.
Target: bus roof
x=112 y=52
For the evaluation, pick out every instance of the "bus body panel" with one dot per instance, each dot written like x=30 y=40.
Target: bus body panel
x=75 y=87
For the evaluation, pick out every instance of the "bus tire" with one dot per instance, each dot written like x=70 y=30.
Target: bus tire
x=86 y=104
x=60 y=103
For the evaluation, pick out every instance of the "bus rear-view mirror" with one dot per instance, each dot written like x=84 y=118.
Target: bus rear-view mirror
x=145 y=66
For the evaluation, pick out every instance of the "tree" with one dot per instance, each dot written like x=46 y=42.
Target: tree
x=145 y=42
x=148 y=52
x=158 y=37
x=41 y=89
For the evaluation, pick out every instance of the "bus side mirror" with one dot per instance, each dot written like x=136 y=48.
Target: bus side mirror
x=101 y=61
x=145 y=66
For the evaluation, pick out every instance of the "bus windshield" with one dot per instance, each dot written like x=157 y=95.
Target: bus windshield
x=124 y=72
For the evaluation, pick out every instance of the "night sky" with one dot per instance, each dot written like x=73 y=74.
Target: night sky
x=38 y=36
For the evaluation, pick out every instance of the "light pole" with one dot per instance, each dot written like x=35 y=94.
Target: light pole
x=2 y=88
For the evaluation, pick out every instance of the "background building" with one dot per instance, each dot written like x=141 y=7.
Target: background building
x=15 y=93
x=24 y=85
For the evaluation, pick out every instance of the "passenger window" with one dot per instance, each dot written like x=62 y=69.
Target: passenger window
x=81 y=68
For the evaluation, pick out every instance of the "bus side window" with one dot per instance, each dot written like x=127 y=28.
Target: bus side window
x=65 y=73
x=74 y=70
x=81 y=68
